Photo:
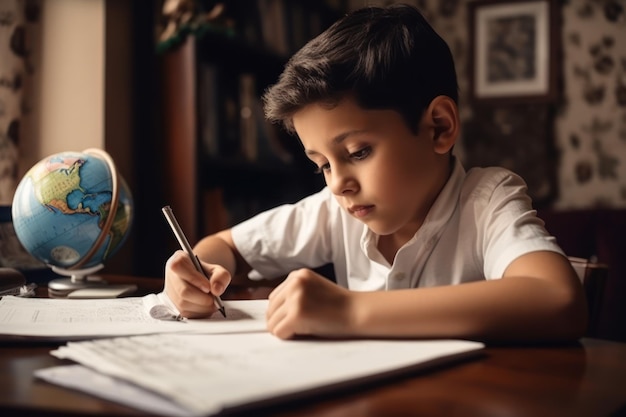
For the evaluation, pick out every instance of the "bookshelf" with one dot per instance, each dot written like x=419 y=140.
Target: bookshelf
x=225 y=162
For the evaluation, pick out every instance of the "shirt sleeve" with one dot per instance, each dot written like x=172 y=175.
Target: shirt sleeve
x=508 y=226
x=287 y=237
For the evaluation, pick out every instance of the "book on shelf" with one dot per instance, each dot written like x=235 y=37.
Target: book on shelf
x=269 y=147
x=247 y=21
x=232 y=122
x=208 y=104
x=299 y=27
x=228 y=113
x=274 y=22
x=219 y=109
x=287 y=26
x=248 y=116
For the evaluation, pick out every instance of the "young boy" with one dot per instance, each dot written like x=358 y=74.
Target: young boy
x=420 y=247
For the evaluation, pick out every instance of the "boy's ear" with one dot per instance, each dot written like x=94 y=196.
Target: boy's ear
x=444 y=119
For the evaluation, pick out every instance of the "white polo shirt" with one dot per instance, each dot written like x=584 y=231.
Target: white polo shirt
x=481 y=221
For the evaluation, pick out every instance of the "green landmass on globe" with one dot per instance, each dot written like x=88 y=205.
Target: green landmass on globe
x=54 y=180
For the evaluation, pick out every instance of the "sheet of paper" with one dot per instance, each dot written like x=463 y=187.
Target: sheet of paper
x=207 y=374
x=64 y=319
x=82 y=378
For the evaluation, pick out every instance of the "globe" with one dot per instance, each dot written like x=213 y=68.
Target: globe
x=73 y=211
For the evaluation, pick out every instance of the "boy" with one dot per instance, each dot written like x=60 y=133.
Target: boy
x=420 y=247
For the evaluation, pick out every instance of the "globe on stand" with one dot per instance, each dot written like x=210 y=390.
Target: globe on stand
x=73 y=211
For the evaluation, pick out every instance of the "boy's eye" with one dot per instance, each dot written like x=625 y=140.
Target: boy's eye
x=361 y=153
x=356 y=156
x=321 y=169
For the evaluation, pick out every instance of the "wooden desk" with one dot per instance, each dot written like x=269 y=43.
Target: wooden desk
x=584 y=379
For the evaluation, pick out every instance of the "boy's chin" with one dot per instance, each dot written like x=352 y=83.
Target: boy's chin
x=379 y=229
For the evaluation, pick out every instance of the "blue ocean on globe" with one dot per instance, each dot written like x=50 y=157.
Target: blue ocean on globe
x=62 y=207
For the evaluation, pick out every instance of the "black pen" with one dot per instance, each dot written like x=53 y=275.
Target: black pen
x=184 y=243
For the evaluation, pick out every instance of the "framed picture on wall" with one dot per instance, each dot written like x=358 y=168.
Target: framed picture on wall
x=513 y=46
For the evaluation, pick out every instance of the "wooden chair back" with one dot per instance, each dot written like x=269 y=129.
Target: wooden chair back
x=593 y=276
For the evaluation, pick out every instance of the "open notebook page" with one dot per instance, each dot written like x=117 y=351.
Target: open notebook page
x=207 y=374
x=63 y=319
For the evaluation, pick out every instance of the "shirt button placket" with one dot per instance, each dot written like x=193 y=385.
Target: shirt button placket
x=398 y=280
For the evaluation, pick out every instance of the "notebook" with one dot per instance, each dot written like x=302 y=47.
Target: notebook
x=198 y=374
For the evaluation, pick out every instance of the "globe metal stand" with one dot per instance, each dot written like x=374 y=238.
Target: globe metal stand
x=77 y=279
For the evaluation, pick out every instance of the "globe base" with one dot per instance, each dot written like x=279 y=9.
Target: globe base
x=77 y=279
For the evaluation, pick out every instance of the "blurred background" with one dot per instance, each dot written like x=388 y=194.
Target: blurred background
x=171 y=90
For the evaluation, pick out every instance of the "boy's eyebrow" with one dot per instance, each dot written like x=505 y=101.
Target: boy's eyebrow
x=336 y=140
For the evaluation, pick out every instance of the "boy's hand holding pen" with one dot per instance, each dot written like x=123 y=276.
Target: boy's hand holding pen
x=184 y=243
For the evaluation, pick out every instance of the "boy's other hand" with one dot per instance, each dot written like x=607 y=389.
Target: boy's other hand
x=306 y=303
x=189 y=290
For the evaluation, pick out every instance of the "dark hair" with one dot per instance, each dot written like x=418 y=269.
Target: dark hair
x=386 y=58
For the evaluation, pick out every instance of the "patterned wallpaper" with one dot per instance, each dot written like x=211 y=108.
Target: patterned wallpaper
x=571 y=154
x=11 y=77
x=16 y=16
x=591 y=124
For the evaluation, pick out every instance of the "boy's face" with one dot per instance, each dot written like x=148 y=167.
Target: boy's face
x=380 y=171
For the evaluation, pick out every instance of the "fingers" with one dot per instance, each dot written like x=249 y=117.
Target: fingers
x=219 y=278
x=288 y=312
x=276 y=315
x=190 y=290
x=180 y=266
x=308 y=304
x=200 y=305
x=280 y=326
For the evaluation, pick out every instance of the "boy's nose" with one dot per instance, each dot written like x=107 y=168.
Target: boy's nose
x=341 y=183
